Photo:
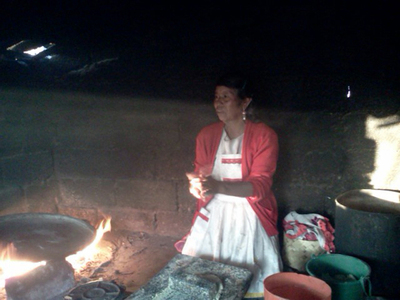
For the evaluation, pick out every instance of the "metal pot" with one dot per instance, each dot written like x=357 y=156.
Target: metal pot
x=367 y=226
x=43 y=236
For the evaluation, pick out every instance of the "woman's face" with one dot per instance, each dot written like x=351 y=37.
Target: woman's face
x=228 y=105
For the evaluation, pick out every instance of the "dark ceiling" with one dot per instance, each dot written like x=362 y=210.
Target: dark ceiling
x=302 y=38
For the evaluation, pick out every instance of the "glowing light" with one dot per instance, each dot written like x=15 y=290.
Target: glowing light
x=386 y=134
x=348 y=92
x=79 y=260
x=195 y=187
x=10 y=268
x=35 y=51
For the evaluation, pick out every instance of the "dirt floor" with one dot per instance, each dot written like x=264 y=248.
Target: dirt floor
x=128 y=259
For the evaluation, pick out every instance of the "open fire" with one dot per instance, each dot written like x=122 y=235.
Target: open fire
x=79 y=259
x=10 y=267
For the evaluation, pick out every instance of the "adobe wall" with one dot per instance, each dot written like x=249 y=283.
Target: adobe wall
x=89 y=156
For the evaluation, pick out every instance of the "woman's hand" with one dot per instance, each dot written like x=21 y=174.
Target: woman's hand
x=201 y=186
x=210 y=185
x=195 y=186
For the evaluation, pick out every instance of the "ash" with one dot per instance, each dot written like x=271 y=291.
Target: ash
x=130 y=259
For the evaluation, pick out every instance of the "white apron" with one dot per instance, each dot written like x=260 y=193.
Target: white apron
x=228 y=230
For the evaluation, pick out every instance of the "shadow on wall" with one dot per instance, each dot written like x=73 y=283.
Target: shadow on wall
x=321 y=156
x=384 y=129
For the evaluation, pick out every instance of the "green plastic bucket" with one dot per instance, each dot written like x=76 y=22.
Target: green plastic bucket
x=347 y=276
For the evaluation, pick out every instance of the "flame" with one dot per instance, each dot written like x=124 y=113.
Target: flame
x=10 y=268
x=79 y=260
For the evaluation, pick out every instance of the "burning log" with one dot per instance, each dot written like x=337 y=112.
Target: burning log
x=46 y=282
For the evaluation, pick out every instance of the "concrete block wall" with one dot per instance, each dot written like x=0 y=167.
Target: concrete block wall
x=88 y=156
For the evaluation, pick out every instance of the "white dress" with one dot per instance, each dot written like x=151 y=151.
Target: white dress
x=229 y=230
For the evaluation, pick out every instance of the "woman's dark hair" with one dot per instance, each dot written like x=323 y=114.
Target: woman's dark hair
x=244 y=87
x=237 y=81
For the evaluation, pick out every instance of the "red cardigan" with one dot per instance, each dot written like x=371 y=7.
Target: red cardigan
x=259 y=157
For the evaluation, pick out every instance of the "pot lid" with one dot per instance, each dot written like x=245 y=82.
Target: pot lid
x=371 y=200
x=43 y=236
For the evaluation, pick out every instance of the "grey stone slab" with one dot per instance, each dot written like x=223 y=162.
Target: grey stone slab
x=193 y=278
x=201 y=286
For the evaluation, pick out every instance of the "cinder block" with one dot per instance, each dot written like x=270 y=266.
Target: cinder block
x=12 y=199
x=43 y=197
x=153 y=195
x=92 y=215
x=101 y=164
x=158 y=146
x=127 y=218
x=87 y=193
x=91 y=129
x=172 y=164
x=28 y=168
x=303 y=199
x=12 y=138
x=323 y=165
x=360 y=162
x=40 y=134
x=133 y=154
x=353 y=129
x=173 y=223
x=186 y=202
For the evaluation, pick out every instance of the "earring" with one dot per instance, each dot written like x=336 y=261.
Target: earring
x=244 y=115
